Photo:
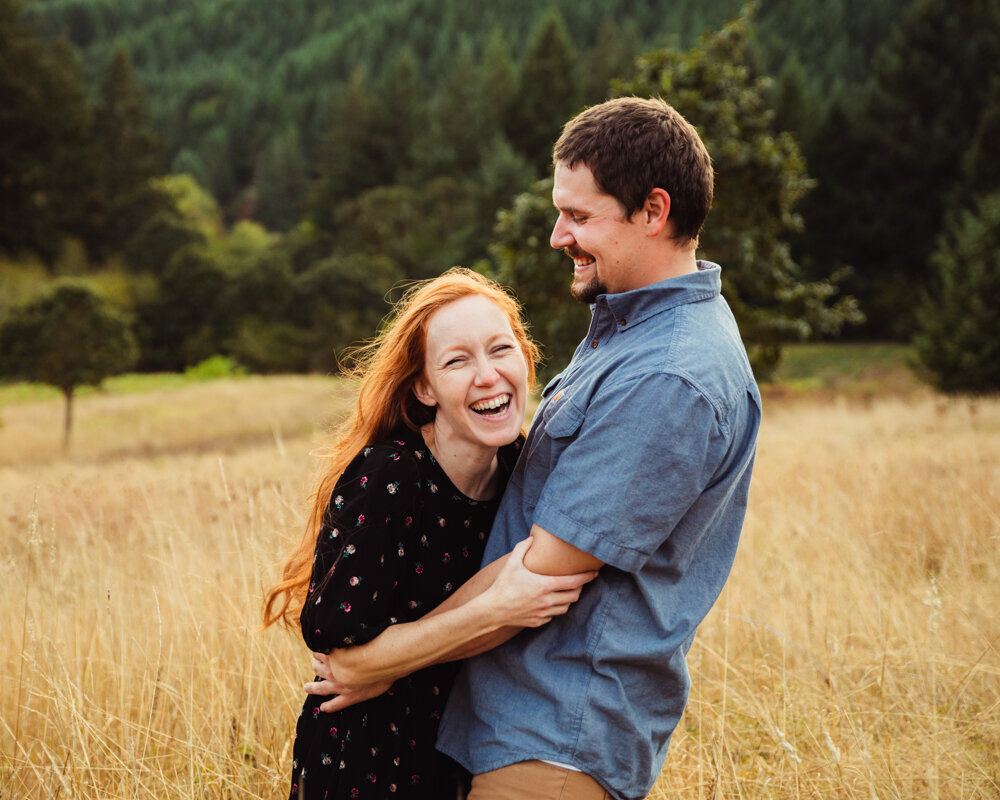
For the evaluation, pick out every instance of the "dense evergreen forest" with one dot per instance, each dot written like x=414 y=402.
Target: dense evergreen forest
x=262 y=174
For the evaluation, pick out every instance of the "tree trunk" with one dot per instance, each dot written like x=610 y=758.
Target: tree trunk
x=68 y=424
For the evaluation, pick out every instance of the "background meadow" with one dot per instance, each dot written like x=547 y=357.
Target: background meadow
x=855 y=652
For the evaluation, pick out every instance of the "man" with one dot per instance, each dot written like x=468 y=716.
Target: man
x=638 y=463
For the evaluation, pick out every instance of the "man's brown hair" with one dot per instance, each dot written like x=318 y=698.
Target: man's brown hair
x=634 y=145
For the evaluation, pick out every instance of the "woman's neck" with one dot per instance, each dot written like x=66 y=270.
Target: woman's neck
x=472 y=468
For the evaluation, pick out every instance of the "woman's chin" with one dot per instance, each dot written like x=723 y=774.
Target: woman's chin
x=499 y=432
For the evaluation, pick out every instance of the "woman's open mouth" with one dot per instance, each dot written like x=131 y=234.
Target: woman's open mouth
x=493 y=407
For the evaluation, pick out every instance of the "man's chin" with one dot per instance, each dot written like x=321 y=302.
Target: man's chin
x=589 y=291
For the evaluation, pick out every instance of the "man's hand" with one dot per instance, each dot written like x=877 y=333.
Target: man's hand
x=343 y=695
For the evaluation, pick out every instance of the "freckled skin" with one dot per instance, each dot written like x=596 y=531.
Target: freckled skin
x=473 y=356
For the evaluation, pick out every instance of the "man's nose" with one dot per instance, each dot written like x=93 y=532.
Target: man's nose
x=561 y=236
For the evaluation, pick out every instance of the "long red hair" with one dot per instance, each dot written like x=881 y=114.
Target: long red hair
x=387 y=367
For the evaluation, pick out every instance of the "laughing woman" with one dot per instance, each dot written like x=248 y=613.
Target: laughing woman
x=399 y=523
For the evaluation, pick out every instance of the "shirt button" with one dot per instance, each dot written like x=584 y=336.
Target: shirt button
x=621 y=323
x=593 y=344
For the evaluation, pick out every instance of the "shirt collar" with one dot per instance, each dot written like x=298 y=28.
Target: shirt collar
x=631 y=308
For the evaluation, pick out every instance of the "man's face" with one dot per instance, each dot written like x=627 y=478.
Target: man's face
x=593 y=231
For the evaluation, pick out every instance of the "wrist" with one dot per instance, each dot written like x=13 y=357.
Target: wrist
x=484 y=613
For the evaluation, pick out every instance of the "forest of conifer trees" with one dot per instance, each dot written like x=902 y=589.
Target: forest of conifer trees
x=255 y=179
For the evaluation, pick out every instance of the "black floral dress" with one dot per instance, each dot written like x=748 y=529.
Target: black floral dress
x=397 y=539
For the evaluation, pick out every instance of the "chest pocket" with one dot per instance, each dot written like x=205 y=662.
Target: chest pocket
x=562 y=418
x=560 y=423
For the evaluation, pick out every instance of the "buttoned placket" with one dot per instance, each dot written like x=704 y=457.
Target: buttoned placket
x=602 y=324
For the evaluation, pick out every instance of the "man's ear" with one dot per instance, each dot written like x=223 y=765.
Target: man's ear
x=423 y=392
x=656 y=211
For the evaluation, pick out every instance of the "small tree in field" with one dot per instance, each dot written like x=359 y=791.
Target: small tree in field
x=958 y=337
x=68 y=337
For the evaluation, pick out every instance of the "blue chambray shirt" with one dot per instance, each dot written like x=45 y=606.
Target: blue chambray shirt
x=640 y=453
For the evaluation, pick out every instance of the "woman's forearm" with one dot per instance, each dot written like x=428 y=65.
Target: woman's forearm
x=489 y=608
x=445 y=633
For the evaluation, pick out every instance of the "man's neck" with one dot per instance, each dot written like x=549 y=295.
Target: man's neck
x=669 y=261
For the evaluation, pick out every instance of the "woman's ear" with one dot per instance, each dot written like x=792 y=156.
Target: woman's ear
x=423 y=392
x=656 y=211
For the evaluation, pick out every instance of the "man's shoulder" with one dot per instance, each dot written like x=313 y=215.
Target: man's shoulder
x=693 y=348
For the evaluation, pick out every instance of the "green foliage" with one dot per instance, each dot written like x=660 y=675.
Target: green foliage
x=128 y=159
x=398 y=130
x=187 y=320
x=342 y=300
x=548 y=92
x=213 y=368
x=959 y=321
x=45 y=150
x=420 y=230
x=539 y=276
x=69 y=336
x=280 y=180
x=892 y=159
x=760 y=177
x=981 y=161
x=151 y=247
x=193 y=203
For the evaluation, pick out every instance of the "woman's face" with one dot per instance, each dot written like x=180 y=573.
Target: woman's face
x=474 y=373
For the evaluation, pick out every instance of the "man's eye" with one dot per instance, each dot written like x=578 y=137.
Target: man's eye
x=579 y=220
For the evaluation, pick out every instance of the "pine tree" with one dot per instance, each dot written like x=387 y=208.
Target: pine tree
x=981 y=161
x=344 y=161
x=128 y=158
x=958 y=337
x=499 y=83
x=456 y=134
x=280 y=182
x=909 y=134
x=399 y=109
x=46 y=157
x=548 y=92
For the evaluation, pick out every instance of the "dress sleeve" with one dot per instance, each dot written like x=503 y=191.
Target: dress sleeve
x=359 y=550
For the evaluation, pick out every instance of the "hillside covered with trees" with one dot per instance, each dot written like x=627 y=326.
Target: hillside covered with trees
x=255 y=179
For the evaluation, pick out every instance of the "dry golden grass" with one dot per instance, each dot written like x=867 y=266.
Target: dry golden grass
x=854 y=654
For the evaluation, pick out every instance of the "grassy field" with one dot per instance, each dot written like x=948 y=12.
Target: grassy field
x=855 y=652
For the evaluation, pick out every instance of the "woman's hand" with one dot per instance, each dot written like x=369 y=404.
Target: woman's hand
x=343 y=695
x=526 y=599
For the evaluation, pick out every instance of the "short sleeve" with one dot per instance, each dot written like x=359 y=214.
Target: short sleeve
x=634 y=462
x=359 y=550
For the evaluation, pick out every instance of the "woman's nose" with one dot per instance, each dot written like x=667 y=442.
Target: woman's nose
x=486 y=374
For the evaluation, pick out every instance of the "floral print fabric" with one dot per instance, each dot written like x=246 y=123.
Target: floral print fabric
x=398 y=538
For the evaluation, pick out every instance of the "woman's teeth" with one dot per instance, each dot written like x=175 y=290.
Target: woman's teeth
x=487 y=406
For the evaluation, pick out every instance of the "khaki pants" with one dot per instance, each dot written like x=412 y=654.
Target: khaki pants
x=535 y=780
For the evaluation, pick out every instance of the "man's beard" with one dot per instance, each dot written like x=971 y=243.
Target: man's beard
x=588 y=292
x=585 y=292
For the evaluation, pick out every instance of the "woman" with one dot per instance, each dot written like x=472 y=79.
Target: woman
x=399 y=523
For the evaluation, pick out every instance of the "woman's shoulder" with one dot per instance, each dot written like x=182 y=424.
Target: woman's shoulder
x=398 y=456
